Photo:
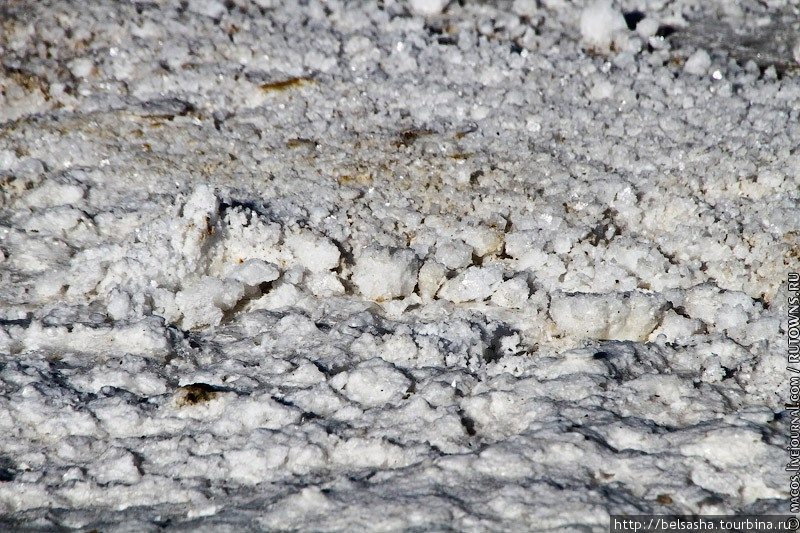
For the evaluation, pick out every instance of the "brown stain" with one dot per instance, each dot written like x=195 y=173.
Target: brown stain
x=290 y=83
x=356 y=180
x=28 y=81
x=209 y=229
x=664 y=499
x=298 y=142
x=409 y=136
x=195 y=394
x=676 y=61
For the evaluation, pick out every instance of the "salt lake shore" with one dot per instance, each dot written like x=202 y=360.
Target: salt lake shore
x=394 y=265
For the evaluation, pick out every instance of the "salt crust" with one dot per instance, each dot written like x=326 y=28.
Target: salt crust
x=324 y=261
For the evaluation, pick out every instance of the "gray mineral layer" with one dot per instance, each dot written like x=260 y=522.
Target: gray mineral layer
x=395 y=265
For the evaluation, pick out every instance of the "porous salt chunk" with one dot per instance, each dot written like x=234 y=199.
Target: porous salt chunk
x=305 y=374
x=475 y=283
x=8 y=159
x=601 y=90
x=489 y=118
x=81 y=67
x=314 y=253
x=647 y=27
x=254 y=465
x=201 y=207
x=512 y=293
x=59 y=221
x=546 y=268
x=675 y=327
x=484 y=240
x=454 y=254
x=368 y=453
x=383 y=274
x=253 y=272
x=209 y=8
x=599 y=21
x=620 y=316
x=431 y=276
x=723 y=310
x=258 y=410
x=145 y=337
x=372 y=383
x=116 y=465
x=52 y=193
x=309 y=501
x=518 y=243
x=428 y=7
x=281 y=296
x=203 y=301
x=400 y=349
x=138 y=382
x=698 y=63
x=324 y=284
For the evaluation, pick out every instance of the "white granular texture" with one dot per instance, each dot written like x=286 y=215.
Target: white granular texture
x=394 y=266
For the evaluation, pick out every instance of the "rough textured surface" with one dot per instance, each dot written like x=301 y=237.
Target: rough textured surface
x=384 y=266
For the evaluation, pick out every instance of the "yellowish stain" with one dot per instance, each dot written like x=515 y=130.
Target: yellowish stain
x=282 y=85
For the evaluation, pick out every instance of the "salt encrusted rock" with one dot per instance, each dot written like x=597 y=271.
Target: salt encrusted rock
x=383 y=274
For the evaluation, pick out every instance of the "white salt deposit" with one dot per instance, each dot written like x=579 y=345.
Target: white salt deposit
x=383 y=274
x=599 y=21
x=428 y=7
x=698 y=63
x=393 y=266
